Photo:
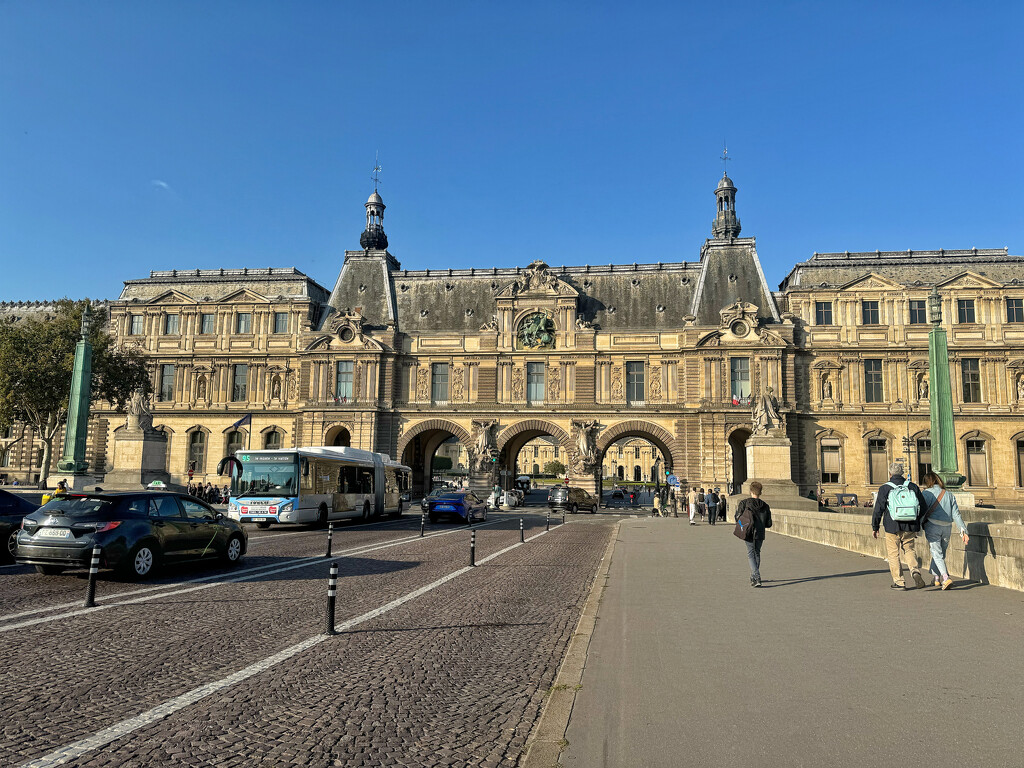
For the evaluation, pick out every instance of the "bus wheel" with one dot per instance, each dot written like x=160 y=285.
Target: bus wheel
x=321 y=516
x=366 y=511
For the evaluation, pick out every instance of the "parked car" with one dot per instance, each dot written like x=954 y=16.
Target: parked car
x=571 y=499
x=13 y=509
x=620 y=497
x=464 y=505
x=137 y=532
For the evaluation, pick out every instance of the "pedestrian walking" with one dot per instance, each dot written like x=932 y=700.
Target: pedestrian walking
x=711 y=502
x=657 y=505
x=691 y=503
x=753 y=518
x=723 y=506
x=702 y=505
x=899 y=507
x=942 y=511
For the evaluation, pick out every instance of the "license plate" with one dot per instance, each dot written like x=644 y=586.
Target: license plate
x=259 y=519
x=55 y=533
x=445 y=508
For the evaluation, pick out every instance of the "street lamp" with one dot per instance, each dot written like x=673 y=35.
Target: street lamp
x=907 y=442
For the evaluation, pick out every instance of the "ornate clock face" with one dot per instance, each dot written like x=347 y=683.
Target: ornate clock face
x=536 y=331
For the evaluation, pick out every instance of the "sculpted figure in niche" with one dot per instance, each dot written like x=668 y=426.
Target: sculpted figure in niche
x=275 y=388
x=766 y=414
x=1020 y=388
x=922 y=388
x=826 y=389
x=201 y=388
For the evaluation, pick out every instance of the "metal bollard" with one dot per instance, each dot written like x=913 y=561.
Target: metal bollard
x=563 y=517
x=547 y=521
x=472 y=548
x=423 y=522
x=332 y=593
x=330 y=535
x=94 y=567
x=521 y=534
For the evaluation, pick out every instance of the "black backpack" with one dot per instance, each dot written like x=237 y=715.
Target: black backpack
x=744 y=522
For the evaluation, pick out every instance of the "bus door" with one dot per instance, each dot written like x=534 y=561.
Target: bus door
x=378 y=485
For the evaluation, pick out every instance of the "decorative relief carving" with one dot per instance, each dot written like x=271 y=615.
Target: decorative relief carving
x=422 y=384
x=518 y=384
x=655 y=390
x=617 y=382
x=554 y=384
x=458 y=385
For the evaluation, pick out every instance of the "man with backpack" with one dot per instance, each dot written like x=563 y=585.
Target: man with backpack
x=753 y=516
x=899 y=506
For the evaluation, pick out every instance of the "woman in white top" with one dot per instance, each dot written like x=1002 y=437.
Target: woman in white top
x=942 y=513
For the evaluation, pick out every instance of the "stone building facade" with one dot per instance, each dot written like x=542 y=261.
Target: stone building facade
x=586 y=357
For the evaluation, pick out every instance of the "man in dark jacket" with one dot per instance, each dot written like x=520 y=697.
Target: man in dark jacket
x=899 y=534
x=761 y=518
x=711 y=502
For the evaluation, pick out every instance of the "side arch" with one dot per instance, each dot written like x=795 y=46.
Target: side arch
x=443 y=425
x=658 y=435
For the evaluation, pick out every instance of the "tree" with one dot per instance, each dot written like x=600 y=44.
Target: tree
x=441 y=463
x=554 y=467
x=37 y=360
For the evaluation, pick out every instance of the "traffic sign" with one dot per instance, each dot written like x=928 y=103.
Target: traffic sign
x=673 y=480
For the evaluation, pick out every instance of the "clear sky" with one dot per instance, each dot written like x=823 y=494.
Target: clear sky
x=140 y=135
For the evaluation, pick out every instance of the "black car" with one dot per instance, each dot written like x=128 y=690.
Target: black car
x=571 y=499
x=621 y=497
x=13 y=509
x=137 y=532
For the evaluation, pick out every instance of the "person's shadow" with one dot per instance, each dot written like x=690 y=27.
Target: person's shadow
x=769 y=583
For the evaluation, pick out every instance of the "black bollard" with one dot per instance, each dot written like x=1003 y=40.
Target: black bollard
x=332 y=593
x=94 y=567
x=423 y=521
x=330 y=535
x=472 y=548
x=521 y=534
x=563 y=517
x=547 y=521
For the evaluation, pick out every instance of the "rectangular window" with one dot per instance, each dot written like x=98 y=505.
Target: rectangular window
x=636 y=390
x=170 y=325
x=965 y=310
x=924 y=458
x=206 y=328
x=873 y=381
x=878 y=462
x=970 y=369
x=823 y=313
x=243 y=323
x=166 y=393
x=1015 y=310
x=869 y=312
x=1020 y=463
x=918 y=312
x=830 y=470
x=739 y=378
x=535 y=382
x=343 y=380
x=977 y=463
x=239 y=384
x=137 y=325
x=439 y=382
x=280 y=322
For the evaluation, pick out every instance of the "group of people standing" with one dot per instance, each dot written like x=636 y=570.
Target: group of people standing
x=209 y=493
x=710 y=503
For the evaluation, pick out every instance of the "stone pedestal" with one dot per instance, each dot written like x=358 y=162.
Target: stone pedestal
x=140 y=457
x=768 y=462
x=965 y=499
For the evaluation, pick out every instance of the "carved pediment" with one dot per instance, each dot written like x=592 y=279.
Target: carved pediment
x=829 y=433
x=969 y=279
x=537 y=281
x=173 y=297
x=741 y=311
x=872 y=282
x=827 y=365
x=1015 y=365
x=713 y=339
x=919 y=365
x=244 y=295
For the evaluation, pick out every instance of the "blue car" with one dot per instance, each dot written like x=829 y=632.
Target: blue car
x=464 y=505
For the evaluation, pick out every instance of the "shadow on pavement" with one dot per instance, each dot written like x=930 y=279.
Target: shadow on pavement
x=769 y=583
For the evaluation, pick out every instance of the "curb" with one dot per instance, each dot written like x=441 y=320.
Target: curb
x=547 y=739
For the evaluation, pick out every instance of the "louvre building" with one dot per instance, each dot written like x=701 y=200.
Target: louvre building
x=403 y=361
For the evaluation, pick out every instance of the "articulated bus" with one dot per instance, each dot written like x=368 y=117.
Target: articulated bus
x=314 y=485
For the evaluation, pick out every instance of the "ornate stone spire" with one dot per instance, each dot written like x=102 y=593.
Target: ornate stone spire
x=726 y=224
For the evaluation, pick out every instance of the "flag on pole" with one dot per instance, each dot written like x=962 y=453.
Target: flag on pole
x=245 y=421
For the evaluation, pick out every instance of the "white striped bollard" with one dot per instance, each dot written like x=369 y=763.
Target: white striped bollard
x=521 y=534
x=563 y=517
x=472 y=548
x=547 y=521
x=423 y=521
x=332 y=593
x=94 y=567
x=330 y=535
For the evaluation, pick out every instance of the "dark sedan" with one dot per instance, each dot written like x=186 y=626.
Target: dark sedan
x=136 y=532
x=13 y=509
x=621 y=497
x=464 y=505
x=571 y=499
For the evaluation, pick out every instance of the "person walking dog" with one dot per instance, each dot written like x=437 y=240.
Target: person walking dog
x=753 y=517
x=899 y=507
x=942 y=512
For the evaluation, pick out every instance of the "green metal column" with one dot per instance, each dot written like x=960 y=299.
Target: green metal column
x=944 y=462
x=73 y=458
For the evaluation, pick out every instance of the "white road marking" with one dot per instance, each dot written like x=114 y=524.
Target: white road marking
x=104 y=737
x=264 y=571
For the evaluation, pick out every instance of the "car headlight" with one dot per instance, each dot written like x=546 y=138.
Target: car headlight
x=286 y=507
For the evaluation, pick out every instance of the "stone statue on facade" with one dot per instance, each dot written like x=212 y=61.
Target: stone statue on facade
x=490 y=325
x=765 y=415
x=826 y=389
x=582 y=324
x=1020 y=388
x=922 y=388
x=275 y=388
x=485 y=447
x=201 y=388
x=138 y=418
x=586 y=444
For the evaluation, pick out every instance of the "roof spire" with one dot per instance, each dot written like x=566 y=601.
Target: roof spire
x=725 y=160
x=376 y=170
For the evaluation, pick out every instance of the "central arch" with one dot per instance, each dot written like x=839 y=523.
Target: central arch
x=418 y=446
x=512 y=439
x=661 y=437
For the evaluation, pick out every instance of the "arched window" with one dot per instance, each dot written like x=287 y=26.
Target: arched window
x=236 y=442
x=622 y=473
x=1020 y=462
x=536 y=469
x=197 y=451
x=272 y=440
x=637 y=475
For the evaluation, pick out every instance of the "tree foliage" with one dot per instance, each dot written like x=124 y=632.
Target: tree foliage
x=554 y=467
x=37 y=361
x=441 y=463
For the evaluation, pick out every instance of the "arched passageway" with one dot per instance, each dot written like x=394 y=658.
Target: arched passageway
x=738 y=458
x=338 y=436
x=553 y=445
x=419 y=446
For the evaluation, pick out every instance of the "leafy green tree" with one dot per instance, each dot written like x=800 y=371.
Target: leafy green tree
x=554 y=467
x=37 y=360
x=441 y=463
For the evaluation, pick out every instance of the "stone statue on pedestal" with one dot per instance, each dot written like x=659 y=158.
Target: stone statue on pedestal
x=765 y=414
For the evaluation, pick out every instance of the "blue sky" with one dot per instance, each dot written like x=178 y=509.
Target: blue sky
x=158 y=135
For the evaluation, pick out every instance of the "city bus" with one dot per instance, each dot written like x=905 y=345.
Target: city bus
x=314 y=485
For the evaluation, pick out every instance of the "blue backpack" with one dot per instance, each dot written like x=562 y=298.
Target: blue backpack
x=902 y=503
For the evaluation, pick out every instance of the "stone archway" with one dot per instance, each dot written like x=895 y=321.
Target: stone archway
x=738 y=470
x=514 y=437
x=337 y=435
x=419 y=444
x=653 y=433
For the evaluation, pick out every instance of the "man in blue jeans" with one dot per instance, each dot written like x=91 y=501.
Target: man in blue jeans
x=761 y=519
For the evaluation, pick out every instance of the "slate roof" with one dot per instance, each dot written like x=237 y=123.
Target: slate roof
x=214 y=284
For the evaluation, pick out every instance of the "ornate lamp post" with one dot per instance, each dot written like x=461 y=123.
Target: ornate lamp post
x=944 y=462
x=72 y=460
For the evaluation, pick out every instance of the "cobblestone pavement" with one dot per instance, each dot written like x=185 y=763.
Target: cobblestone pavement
x=452 y=677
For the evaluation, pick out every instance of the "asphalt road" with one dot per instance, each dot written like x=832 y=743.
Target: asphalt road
x=825 y=666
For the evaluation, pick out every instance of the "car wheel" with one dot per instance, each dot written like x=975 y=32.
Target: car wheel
x=593 y=510
x=263 y=526
x=321 y=516
x=574 y=509
x=142 y=561
x=12 y=543
x=233 y=551
x=49 y=570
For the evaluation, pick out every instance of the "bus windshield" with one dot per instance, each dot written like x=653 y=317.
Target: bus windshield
x=279 y=478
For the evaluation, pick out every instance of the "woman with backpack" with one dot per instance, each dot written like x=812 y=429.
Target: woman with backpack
x=941 y=513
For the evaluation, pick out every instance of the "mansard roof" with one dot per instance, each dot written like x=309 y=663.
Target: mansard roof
x=219 y=284
x=835 y=270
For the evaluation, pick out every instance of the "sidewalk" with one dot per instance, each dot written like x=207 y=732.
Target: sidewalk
x=823 y=666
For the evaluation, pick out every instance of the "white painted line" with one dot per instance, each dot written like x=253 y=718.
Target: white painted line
x=264 y=571
x=102 y=738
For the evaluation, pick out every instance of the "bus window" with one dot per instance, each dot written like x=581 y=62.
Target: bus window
x=390 y=480
x=365 y=480
x=349 y=480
